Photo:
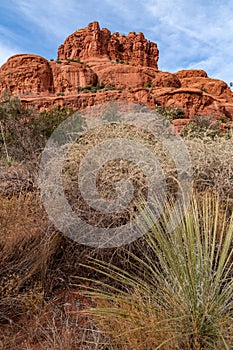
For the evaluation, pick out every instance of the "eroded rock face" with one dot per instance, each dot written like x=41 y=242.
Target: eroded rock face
x=210 y=86
x=30 y=75
x=26 y=75
x=127 y=68
x=125 y=76
x=95 y=42
x=191 y=73
x=69 y=76
x=192 y=101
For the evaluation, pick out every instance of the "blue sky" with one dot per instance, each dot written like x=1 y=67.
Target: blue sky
x=190 y=34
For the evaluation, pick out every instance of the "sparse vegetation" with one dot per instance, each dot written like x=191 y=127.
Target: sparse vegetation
x=170 y=113
x=148 y=84
x=119 y=61
x=168 y=290
x=178 y=294
x=96 y=88
x=203 y=126
x=74 y=60
x=203 y=89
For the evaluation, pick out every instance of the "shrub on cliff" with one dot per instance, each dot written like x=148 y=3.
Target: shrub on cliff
x=170 y=113
x=24 y=132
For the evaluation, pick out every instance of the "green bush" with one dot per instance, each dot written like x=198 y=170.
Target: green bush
x=46 y=122
x=91 y=88
x=24 y=132
x=203 y=89
x=148 y=84
x=203 y=126
x=170 y=113
x=14 y=118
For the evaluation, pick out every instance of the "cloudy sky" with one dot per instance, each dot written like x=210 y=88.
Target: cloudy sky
x=190 y=34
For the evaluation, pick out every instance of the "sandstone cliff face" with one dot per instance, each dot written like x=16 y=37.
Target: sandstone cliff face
x=67 y=77
x=26 y=75
x=124 y=76
x=94 y=42
x=125 y=65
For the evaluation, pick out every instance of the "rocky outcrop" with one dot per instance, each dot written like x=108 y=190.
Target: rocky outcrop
x=121 y=68
x=95 y=42
x=211 y=86
x=67 y=77
x=193 y=102
x=26 y=75
x=125 y=76
x=191 y=73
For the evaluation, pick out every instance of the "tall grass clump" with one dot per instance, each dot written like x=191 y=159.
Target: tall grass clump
x=178 y=292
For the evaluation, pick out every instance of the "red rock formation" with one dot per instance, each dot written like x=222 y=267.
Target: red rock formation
x=124 y=76
x=26 y=75
x=93 y=42
x=192 y=73
x=127 y=63
x=210 y=86
x=193 y=102
x=69 y=76
x=165 y=79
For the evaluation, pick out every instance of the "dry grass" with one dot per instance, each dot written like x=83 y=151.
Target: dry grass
x=212 y=162
x=180 y=297
x=37 y=264
x=57 y=324
x=113 y=171
x=38 y=310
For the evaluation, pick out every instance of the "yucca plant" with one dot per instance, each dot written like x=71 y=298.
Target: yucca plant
x=178 y=293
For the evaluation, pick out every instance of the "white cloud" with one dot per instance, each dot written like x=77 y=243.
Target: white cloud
x=6 y=53
x=195 y=35
x=55 y=18
x=7 y=49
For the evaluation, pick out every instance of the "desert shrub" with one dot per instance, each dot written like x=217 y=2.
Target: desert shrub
x=46 y=122
x=212 y=161
x=23 y=255
x=170 y=113
x=203 y=126
x=13 y=119
x=148 y=84
x=118 y=60
x=181 y=298
x=35 y=259
x=203 y=89
x=37 y=265
x=74 y=60
x=112 y=172
x=24 y=132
